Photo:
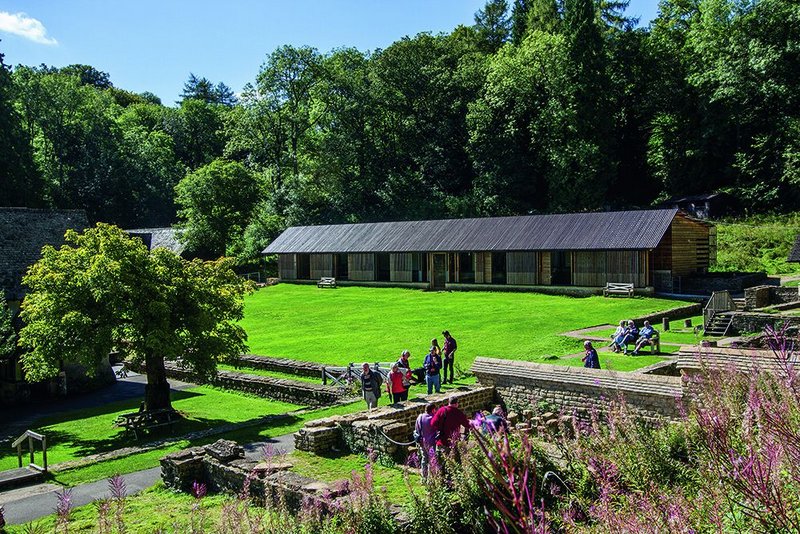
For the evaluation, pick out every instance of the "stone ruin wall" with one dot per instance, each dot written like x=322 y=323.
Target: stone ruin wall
x=360 y=432
x=292 y=391
x=532 y=386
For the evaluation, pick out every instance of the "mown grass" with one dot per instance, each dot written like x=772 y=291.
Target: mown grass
x=355 y=324
x=75 y=434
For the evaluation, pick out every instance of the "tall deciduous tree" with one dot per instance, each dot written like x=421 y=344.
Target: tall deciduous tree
x=103 y=289
x=20 y=181
x=215 y=203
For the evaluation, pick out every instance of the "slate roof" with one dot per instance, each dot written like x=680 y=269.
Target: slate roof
x=618 y=230
x=23 y=233
x=159 y=238
x=794 y=255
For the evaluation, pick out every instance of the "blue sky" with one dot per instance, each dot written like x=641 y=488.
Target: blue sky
x=153 y=45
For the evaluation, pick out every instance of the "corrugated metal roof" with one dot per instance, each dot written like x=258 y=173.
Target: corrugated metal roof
x=794 y=255
x=620 y=230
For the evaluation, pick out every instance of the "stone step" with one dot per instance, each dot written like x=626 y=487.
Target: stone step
x=22 y=476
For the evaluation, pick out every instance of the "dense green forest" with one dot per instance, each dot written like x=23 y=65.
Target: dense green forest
x=540 y=106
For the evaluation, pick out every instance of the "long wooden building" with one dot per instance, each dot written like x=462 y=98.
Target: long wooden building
x=648 y=248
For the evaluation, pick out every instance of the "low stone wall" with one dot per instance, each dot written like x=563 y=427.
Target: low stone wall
x=281 y=365
x=763 y=296
x=360 y=432
x=708 y=283
x=755 y=322
x=689 y=310
x=293 y=391
x=222 y=467
x=525 y=386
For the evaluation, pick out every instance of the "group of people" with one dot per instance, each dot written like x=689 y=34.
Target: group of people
x=436 y=429
x=434 y=372
x=628 y=333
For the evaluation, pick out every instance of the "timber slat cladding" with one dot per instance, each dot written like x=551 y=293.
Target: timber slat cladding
x=361 y=267
x=286 y=267
x=522 y=267
x=690 y=247
x=321 y=265
x=666 y=386
x=400 y=267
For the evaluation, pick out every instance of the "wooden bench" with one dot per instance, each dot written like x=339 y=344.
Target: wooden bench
x=327 y=281
x=136 y=422
x=616 y=288
x=654 y=343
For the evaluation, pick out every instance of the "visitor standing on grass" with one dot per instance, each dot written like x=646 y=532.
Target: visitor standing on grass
x=449 y=350
x=397 y=383
x=432 y=365
x=590 y=360
x=447 y=421
x=425 y=436
x=370 y=386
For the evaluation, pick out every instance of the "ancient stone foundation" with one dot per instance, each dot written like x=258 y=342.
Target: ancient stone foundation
x=293 y=391
x=222 y=467
x=362 y=432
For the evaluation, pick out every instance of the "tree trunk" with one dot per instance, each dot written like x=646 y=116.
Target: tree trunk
x=156 y=392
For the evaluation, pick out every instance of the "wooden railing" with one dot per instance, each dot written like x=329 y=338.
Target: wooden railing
x=30 y=436
x=720 y=301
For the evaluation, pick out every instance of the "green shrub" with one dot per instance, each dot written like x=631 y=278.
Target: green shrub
x=757 y=243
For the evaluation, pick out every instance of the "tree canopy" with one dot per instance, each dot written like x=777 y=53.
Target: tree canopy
x=104 y=290
x=540 y=106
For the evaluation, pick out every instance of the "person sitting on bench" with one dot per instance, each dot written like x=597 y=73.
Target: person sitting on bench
x=631 y=336
x=617 y=337
x=647 y=336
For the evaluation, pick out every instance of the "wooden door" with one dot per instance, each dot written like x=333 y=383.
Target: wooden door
x=439 y=278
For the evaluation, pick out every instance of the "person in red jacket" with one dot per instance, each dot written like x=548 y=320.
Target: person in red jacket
x=447 y=421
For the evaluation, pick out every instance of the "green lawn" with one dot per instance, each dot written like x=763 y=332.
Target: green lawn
x=148 y=459
x=355 y=324
x=75 y=434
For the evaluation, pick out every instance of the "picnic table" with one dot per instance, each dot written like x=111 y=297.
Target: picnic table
x=136 y=422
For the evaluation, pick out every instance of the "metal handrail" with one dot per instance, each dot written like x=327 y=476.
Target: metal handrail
x=30 y=435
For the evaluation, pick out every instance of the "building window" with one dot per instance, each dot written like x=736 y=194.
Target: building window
x=498 y=267
x=303 y=266
x=382 y=267
x=466 y=267
x=419 y=267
